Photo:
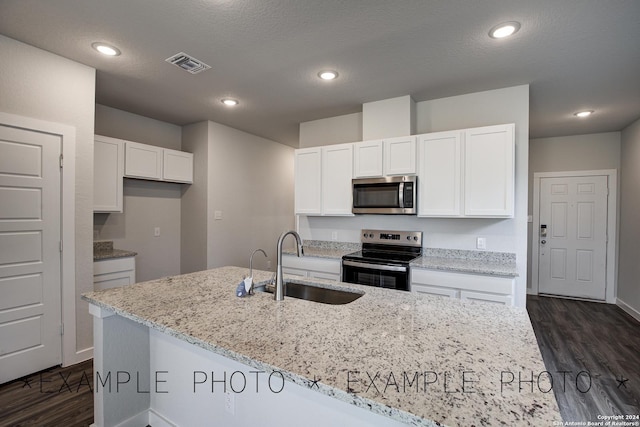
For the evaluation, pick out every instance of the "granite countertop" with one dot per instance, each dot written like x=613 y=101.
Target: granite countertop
x=325 y=249
x=385 y=336
x=464 y=261
x=104 y=250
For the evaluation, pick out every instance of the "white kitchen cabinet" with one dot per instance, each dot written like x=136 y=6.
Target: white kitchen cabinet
x=114 y=273
x=400 y=156
x=108 y=170
x=323 y=180
x=368 y=159
x=440 y=174
x=177 y=166
x=337 y=172
x=308 y=181
x=489 y=171
x=465 y=286
x=143 y=161
x=312 y=267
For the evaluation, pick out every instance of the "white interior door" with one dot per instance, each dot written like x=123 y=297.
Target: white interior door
x=573 y=236
x=30 y=288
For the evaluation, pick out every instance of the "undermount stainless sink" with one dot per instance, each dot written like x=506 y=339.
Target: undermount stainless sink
x=316 y=293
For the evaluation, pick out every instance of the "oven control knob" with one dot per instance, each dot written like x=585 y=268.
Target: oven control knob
x=408 y=237
x=415 y=238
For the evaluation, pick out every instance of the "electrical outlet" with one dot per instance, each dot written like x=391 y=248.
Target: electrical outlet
x=334 y=235
x=156 y=232
x=481 y=243
x=268 y=264
x=217 y=215
x=230 y=403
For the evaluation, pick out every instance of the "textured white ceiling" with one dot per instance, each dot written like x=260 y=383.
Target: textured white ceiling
x=575 y=54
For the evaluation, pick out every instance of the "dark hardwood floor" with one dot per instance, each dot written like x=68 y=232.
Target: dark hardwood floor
x=54 y=397
x=600 y=340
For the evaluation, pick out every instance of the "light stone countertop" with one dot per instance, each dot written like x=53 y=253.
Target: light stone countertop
x=103 y=250
x=325 y=249
x=465 y=261
x=388 y=336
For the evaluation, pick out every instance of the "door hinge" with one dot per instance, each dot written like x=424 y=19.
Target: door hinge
x=61 y=328
x=61 y=246
x=61 y=160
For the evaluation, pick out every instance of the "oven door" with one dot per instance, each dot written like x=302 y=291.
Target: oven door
x=379 y=275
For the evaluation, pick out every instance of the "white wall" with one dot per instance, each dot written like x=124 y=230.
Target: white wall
x=249 y=180
x=193 y=236
x=147 y=204
x=251 y=183
x=508 y=105
x=570 y=153
x=333 y=130
x=628 y=265
x=35 y=83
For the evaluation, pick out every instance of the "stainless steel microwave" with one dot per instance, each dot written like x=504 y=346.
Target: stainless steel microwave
x=388 y=195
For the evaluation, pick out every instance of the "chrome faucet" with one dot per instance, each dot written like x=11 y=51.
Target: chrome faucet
x=279 y=292
x=251 y=260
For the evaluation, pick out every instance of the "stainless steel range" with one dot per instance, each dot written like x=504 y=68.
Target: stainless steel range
x=384 y=259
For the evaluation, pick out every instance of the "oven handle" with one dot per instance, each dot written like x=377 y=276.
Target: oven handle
x=374 y=266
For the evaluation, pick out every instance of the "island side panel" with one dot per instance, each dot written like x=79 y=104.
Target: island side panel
x=190 y=384
x=121 y=370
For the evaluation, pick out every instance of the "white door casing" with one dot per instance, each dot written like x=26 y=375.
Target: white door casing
x=575 y=257
x=30 y=261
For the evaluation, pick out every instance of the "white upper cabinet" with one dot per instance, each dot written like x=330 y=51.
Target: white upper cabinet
x=323 y=180
x=308 y=181
x=108 y=170
x=400 y=155
x=467 y=173
x=143 y=161
x=337 y=171
x=489 y=171
x=158 y=164
x=368 y=159
x=385 y=157
x=177 y=166
x=440 y=159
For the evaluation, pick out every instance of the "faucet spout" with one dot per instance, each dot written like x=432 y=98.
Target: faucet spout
x=279 y=293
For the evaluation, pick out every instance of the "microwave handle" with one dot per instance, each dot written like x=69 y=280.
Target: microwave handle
x=401 y=195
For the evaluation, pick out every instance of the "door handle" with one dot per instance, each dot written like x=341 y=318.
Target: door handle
x=543 y=241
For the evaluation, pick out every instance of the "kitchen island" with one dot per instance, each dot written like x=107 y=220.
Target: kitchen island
x=184 y=349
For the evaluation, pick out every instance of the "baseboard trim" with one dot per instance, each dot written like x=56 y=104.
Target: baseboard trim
x=628 y=309
x=157 y=420
x=85 y=354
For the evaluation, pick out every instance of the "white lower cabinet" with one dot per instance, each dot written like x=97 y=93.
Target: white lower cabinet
x=464 y=286
x=312 y=267
x=114 y=273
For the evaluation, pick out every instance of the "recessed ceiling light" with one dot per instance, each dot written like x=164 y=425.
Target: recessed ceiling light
x=328 y=75
x=229 y=102
x=585 y=113
x=106 y=49
x=504 y=30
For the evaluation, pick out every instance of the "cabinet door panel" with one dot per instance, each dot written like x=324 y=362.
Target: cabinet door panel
x=400 y=156
x=440 y=174
x=177 y=166
x=435 y=290
x=308 y=181
x=486 y=297
x=337 y=171
x=489 y=171
x=368 y=159
x=108 y=170
x=143 y=161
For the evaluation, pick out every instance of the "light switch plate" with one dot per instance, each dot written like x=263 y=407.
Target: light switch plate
x=481 y=243
x=217 y=215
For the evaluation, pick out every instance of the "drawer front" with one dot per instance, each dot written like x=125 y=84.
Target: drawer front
x=323 y=265
x=435 y=290
x=486 y=297
x=463 y=281
x=322 y=275
x=113 y=265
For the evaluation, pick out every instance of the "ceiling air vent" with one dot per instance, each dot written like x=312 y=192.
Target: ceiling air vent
x=187 y=63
